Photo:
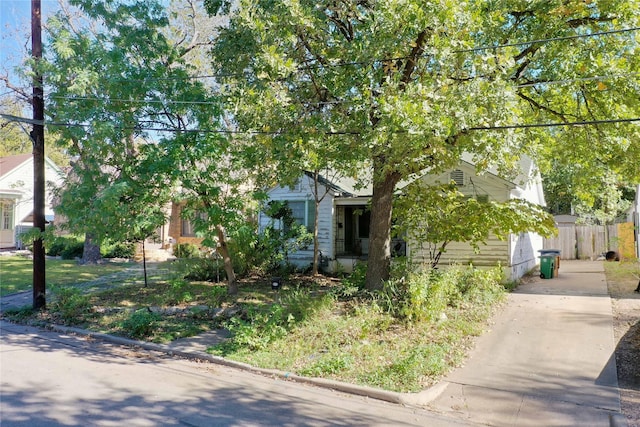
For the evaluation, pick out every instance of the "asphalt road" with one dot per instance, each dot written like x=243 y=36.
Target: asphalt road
x=52 y=379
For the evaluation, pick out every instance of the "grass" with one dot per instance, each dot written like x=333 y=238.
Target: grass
x=16 y=273
x=360 y=343
x=622 y=277
x=312 y=327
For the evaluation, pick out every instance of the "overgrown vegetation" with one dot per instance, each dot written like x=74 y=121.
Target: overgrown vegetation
x=402 y=338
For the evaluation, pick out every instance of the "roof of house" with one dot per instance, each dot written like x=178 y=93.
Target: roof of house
x=9 y=163
x=347 y=186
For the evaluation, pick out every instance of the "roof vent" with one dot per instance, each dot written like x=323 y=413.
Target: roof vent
x=457 y=176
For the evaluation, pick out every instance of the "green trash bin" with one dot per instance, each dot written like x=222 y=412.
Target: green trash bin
x=547 y=264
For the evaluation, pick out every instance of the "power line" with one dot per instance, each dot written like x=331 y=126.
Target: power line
x=336 y=102
x=392 y=59
x=560 y=124
x=478 y=128
x=228 y=131
x=550 y=39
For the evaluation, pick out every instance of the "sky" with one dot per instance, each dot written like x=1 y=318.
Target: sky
x=15 y=15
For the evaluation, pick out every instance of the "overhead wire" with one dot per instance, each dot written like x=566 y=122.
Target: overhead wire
x=18 y=119
x=343 y=64
x=181 y=102
x=392 y=59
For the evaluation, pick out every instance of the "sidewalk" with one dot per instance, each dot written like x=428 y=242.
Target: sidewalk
x=548 y=359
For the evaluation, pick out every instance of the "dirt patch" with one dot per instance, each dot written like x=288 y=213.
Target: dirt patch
x=626 y=328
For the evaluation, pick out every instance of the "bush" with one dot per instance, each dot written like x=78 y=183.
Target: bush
x=266 y=252
x=70 y=304
x=67 y=247
x=355 y=282
x=141 y=323
x=202 y=269
x=426 y=295
x=259 y=327
x=73 y=250
x=217 y=296
x=118 y=250
x=186 y=250
x=178 y=292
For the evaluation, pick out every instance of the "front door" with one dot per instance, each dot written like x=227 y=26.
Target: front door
x=7 y=226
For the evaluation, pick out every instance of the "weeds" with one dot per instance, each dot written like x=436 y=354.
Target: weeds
x=141 y=323
x=70 y=304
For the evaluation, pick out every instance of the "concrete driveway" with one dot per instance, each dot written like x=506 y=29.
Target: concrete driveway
x=548 y=359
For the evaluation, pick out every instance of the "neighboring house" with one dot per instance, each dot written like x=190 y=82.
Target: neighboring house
x=16 y=196
x=179 y=230
x=343 y=220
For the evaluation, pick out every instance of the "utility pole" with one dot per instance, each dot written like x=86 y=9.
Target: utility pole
x=37 y=137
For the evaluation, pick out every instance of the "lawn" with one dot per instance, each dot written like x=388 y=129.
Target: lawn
x=16 y=273
x=314 y=326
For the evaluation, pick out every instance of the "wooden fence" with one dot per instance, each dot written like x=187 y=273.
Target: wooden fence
x=589 y=241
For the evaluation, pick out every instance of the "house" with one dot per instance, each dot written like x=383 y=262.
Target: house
x=343 y=219
x=16 y=196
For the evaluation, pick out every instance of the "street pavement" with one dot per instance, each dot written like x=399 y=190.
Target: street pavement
x=49 y=378
x=547 y=360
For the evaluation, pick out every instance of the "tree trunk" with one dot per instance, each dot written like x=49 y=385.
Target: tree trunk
x=223 y=250
x=316 y=244
x=91 y=252
x=379 y=264
x=144 y=264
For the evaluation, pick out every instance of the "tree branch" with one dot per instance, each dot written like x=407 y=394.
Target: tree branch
x=539 y=106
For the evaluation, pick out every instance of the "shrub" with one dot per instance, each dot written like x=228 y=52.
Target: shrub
x=186 y=250
x=118 y=250
x=426 y=295
x=73 y=250
x=66 y=247
x=259 y=327
x=353 y=283
x=242 y=246
x=141 y=323
x=178 y=292
x=202 y=269
x=70 y=304
x=216 y=296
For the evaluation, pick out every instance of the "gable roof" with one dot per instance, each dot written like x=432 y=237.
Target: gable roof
x=344 y=185
x=9 y=163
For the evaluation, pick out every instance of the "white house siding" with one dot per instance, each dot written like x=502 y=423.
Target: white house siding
x=19 y=183
x=517 y=254
x=302 y=191
x=525 y=246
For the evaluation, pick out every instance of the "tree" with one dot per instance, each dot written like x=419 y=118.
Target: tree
x=410 y=86
x=572 y=190
x=94 y=79
x=436 y=215
x=576 y=72
x=142 y=124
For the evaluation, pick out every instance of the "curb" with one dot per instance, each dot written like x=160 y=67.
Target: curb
x=419 y=399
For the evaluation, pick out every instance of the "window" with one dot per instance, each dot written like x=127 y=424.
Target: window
x=303 y=212
x=188 y=228
x=7 y=216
